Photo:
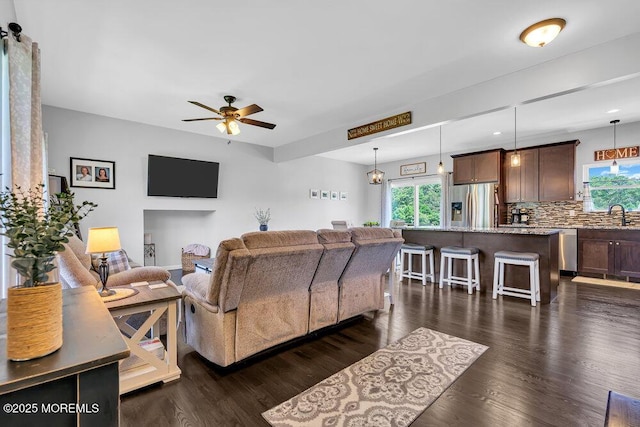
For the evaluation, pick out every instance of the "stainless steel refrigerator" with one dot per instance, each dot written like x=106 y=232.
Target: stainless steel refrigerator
x=472 y=205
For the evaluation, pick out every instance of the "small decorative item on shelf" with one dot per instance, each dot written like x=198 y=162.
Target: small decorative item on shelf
x=371 y=224
x=263 y=218
x=36 y=233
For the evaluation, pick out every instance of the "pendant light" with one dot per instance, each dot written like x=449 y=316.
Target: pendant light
x=614 y=169
x=375 y=176
x=440 y=165
x=515 y=157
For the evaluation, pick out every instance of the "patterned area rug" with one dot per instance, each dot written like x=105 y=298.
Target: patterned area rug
x=392 y=386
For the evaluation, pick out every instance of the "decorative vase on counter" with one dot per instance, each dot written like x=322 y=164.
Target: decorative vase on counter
x=264 y=227
x=34 y=313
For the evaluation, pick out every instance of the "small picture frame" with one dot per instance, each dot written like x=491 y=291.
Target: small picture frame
x=91 y=173
x=343 y=195
x=314 y=194
x=324 y=194
x=334 y=195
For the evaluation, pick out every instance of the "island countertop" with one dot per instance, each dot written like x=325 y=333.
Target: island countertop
x=539 y=231
x=543 y=241
x=575 y=227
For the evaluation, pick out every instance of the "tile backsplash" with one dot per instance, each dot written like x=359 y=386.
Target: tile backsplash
x=558 y=215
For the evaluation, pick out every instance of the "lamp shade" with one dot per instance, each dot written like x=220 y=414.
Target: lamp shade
x=102 y=240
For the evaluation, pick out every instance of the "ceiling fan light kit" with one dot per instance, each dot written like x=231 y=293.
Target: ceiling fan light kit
x=230 y=116
x=543 y=32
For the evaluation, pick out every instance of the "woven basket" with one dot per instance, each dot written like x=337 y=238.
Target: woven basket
x=187 y=265
x=34 y=321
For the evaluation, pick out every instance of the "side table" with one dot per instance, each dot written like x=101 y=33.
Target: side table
x=150 y=368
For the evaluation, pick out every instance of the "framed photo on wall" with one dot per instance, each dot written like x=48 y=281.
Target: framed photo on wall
x=314 y=194
x=324 y=194
x=334 y=195
x=91 y=173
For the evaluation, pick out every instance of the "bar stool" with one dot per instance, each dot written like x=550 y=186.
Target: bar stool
x=448 y=254
x=411 y=249
x=529 y=259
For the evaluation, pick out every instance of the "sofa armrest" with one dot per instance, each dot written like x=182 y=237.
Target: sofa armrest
x=140 y=274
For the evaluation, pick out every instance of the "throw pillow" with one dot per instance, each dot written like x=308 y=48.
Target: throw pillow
x=117 y=262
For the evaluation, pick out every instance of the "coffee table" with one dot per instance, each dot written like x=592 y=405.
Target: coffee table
x=149 y=368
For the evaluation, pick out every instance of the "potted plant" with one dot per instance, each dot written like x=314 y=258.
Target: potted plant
x=263 y=218
x=371 y=224
x=36 y=232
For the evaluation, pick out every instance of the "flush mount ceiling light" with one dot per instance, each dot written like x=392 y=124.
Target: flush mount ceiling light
x=614 y=169
x=515 y=157
x=440 y=165
x=375 y=176
x=543 y=32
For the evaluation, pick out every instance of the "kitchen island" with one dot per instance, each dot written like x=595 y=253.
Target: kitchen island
x=542 y=241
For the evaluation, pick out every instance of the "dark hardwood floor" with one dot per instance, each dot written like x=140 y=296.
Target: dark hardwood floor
x=547 y=365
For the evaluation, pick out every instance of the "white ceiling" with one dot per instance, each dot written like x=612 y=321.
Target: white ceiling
x=319 y=67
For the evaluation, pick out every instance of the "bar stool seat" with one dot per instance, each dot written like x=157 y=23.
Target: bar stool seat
x=470 y=255
x=530 y=259
x=423 y=251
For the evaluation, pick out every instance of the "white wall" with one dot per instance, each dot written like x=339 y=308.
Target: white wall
x=248 y=179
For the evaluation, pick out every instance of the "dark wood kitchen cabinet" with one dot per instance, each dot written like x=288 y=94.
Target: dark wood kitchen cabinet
x=477 y=168
x=556 y=172
x=521 y=182
x=614 y=252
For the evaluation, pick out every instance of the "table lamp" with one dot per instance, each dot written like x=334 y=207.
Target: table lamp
x=102 y=240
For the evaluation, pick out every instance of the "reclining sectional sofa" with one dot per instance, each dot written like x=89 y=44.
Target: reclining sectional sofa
x=267 y=288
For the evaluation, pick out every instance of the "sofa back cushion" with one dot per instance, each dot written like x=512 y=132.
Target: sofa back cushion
x=228 y=274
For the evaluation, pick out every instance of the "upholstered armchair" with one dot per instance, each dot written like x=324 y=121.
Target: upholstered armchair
x=75 y=269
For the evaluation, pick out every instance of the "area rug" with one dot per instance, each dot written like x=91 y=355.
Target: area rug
x=606 y=282
x=392 y=386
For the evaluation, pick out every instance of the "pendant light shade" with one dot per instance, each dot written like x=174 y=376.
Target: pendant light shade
x=515 y=157
x=440 y=165
x=614 y=169
x=543 y=32
x=375 y=176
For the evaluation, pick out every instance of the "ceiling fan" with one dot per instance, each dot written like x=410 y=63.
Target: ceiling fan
x=230 y=116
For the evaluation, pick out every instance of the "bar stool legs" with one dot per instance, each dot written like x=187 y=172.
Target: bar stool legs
x=470 y=255
x=423 y=251
x=532 y=260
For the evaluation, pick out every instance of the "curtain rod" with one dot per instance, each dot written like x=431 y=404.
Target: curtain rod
x=413 y=177
x=15 y=29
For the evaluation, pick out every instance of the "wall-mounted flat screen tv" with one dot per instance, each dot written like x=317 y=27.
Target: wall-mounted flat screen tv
x=175 y=177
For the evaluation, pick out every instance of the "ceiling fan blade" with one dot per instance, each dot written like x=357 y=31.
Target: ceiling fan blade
x=205 y=107
x=249 y=109
x=206 y=118
x=258 y=123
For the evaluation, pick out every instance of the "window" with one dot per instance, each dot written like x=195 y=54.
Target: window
x=606 y=188
x=423 y=196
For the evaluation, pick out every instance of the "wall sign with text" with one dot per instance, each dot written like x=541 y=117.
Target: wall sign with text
x=618 y=153
x=380 y=125
x=413 y=168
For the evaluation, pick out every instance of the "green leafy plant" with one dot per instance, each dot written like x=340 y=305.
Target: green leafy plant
x=263 y=217
x=37 y=231
x=371 y=224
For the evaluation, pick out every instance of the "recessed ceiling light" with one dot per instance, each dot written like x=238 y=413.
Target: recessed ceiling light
x=497 y=132
x=543 y=32
x=614 y=110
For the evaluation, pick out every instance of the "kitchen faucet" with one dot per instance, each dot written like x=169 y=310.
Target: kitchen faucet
x=624 y=219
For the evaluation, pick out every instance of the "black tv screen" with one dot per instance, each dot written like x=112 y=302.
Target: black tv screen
x=174 y=177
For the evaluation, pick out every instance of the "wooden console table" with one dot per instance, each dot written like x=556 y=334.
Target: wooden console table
x=75 y=385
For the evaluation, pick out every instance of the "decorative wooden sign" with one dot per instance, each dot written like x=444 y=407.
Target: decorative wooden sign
x=618 y=153
x=380 y=125
x=413 y=168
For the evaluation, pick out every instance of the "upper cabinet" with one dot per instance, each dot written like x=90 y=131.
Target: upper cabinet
x=545 y=174
x=556 y=172
x=476 y=168
x=521 y=183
